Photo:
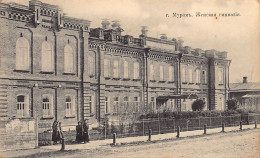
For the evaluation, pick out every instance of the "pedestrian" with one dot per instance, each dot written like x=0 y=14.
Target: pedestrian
x=79 y=132
x=85 y=132
x=55 y=132
x=60 y=133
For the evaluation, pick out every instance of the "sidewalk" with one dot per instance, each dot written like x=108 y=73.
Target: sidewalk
x=129 y=140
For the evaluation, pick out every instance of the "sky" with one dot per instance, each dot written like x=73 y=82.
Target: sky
x=239 y=35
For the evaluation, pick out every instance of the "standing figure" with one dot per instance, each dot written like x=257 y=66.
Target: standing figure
x=55 y=132
x=60 y=133
x=85 y=132
x=79 y=132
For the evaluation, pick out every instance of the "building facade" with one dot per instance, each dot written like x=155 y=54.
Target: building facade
x=56 y=67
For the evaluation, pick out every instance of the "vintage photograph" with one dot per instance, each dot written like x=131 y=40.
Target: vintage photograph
x=130 y=78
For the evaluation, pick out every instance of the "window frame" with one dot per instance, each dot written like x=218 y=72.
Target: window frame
x=69 y=112
x=50 y=108
x=25 y=111
x=25 y=55
x=47 y=54
x=69 y=68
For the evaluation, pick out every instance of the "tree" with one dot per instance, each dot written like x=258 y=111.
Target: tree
x=198 y=105
x=232 y=104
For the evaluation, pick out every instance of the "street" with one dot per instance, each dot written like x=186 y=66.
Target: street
x=225 y=145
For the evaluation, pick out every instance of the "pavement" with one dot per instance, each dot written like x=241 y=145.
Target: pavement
x=121 y=141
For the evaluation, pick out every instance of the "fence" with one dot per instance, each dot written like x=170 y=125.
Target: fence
x=132 y=128
x=169 y=125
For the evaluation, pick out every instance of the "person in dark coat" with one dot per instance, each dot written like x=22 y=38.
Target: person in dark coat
x=55 y=136
x=60 y=133
x=85 y=132
x=79 y=132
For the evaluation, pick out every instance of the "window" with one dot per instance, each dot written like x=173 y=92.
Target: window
x=190 y=75
x=220 y=76
x=151 y=72
x=68 y=59
x=106 y=68
x=204 y=77
x=136 y=104
x=90 y=105
x=161 y=73
x=153 y=103
x=107 y=105
x=172 y=104
x=171 y=72
x=47 y=105
x=22 y=54
x=136 y=70
x=22 y=106
x=47 y=57
x=183 y=74
x=91 y=66
x=69 y=106
x=126 y=103
x=116 y=103
x=116 y=69
x=126 y=69
x=197 y=76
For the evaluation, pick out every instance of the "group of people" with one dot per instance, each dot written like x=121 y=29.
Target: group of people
x=81 y=132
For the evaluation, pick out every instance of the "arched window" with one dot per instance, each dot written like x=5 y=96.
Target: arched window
x=22 y=54
x=47 y=57
x=69 y=106
x=126 y=69
x=22 y=106
x=47 y=105
x=68 y=59
x=136 y=70
x=91 y=65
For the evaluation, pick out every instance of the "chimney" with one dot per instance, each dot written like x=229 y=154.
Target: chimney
x=163 y=36
x=144 y=30
x=115 y=24
x=105 y=24
x=245 y=79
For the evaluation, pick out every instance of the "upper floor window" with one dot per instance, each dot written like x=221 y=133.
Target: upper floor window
x=106 y=68
x=161 y=73
x=204 y=77
x=171 y=72
x=22 y=106
x=69 y=106
x=68 y=59
x=91 y=66
x=220 y=76
x=197 y=76
x=183 y=74
x=47 y=57
x=126 y=68
x=190 y=75
x=22 y=54
x=47 y=105
x=136 y=70
x=116 y=69
x=151 y=72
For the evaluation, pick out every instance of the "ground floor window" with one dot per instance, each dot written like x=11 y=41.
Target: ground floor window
x=22 y=106
x=69 y=105
x=47 y=105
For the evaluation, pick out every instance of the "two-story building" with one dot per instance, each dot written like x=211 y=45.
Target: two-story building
x=55 y=67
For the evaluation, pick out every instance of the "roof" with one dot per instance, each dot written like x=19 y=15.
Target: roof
x=243 y=87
